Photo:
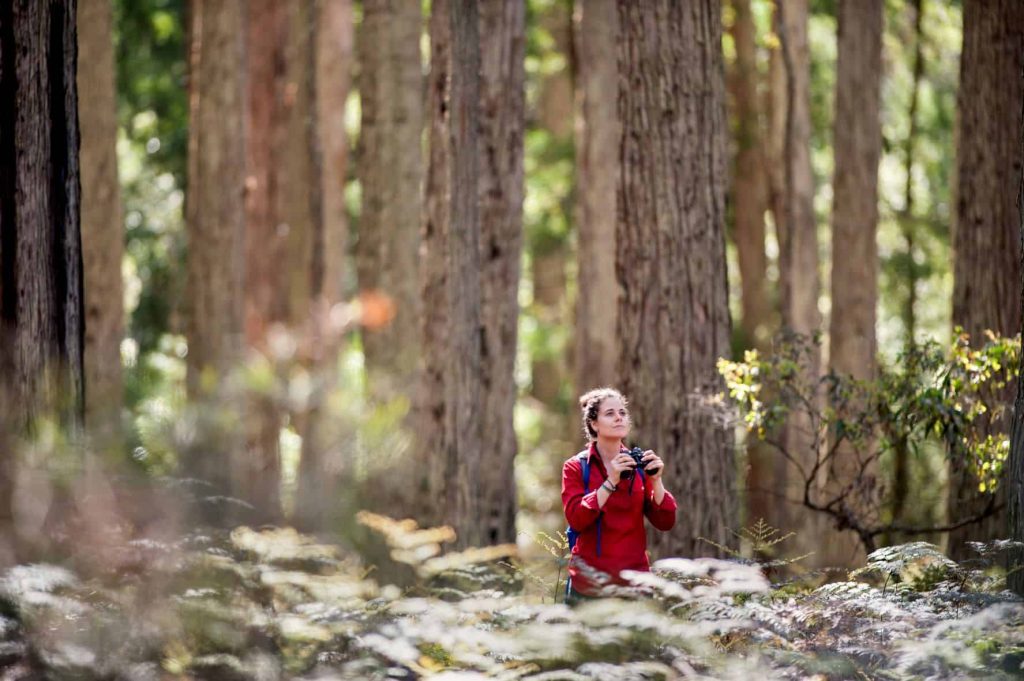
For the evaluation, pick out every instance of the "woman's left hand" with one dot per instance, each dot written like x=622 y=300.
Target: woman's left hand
x=651 y=462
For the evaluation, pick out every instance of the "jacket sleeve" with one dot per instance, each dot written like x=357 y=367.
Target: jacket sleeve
x=581 y=510
x=663 y=515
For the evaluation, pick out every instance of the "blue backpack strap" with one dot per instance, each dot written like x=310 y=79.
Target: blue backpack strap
x=585 y=457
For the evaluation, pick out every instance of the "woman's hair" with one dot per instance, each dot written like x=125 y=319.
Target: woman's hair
x=590 y=402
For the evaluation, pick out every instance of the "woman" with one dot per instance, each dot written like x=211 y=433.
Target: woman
x=609 y=514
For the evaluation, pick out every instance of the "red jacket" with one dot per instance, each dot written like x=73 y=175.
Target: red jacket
x=623 y=539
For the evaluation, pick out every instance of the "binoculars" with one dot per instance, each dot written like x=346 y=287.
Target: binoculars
x=637 y=454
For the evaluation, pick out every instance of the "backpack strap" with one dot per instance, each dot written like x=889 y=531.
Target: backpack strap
x=584 y=457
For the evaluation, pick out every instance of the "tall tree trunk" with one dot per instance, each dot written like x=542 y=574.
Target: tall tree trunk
x=502 y=117
x=284 y=234
x=548 y=242
x=266 y=126
x=750 y=186
x=334 y=58
x=41 y=297
x=257 y=471
x=985 y=266
x=215 y=217
x=390 y=172
x=321 y=465
x=1015 y=464
x=775 y=147
x=858 y=146
x=432 y=410
x=673 y=317
x=799 y=278
x=301 y=206
x=464 y=389
x=597 y=175
x=901 y=472
x=750 y=201
x=102 y=227
x=41 y=305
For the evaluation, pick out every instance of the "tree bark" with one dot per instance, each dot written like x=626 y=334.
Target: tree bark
x=215 y=217
x=548 y=243
x=432 y=412
x=799 y=278
x=102 y=226
x=673 y=320
x=322 y=465
x=464 y=391
x=986 y=267
x=775 y=146
x=41 y=318
x=858 y=146
x=390 y=171
x=501 y=121
x=901 y=472
x=301 y=207
x=266 y=246
x=798 y=258
x=334 y=58
x=750 y=200
x=750 y=184
x=1015 y=464
x=597 y=175
x=41 y=296
x=257 y=472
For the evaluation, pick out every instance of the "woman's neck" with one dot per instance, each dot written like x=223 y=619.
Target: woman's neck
x=608 y=449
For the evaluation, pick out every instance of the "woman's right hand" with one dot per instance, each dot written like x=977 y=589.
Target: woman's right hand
x=620 y=464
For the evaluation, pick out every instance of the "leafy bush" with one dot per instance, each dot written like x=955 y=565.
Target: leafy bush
x=931 y=395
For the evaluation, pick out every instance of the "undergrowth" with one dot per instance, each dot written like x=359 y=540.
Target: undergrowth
x=273 y=603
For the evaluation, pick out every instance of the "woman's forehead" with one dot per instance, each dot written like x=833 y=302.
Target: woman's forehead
x=612 y=403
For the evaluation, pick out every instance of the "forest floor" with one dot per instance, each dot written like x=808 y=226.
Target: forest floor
x=272 y=603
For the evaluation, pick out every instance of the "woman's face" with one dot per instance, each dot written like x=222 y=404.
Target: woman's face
x=612 y=419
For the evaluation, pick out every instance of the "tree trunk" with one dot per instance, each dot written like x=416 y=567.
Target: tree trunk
x=750 y=184
x=321 y=465
x=285 y=238
x=390 y=172
x=257 y=472
x=502 y=117
x=799 y=279
x=432 y=412
x=102 y=227
x=41 y=297
x=858 y=146
x=334 y=57
x=463 y=387
x=986 y=268
x=750 y=201
x=775 y=147
x=673 y=317
x=901 y=472
x=41 y=325
x=597 y=175
x=547 y=240
x=301 y=206
x=1015 y=465
x=215 y=217
x=266 y=246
